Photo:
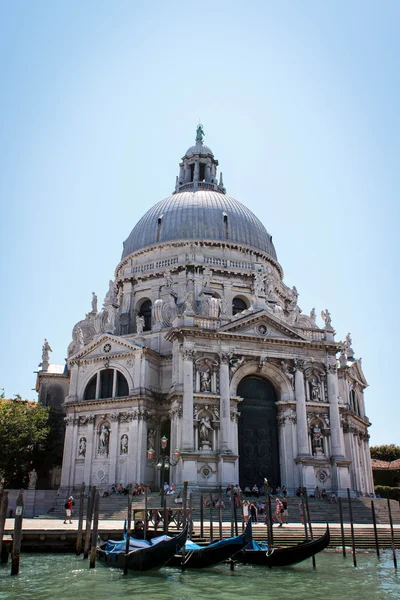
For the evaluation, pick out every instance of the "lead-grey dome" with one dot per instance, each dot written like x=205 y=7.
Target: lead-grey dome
x=201 y=215
x=199 y=148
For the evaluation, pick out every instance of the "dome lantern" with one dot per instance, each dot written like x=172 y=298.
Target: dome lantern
x=198 y=169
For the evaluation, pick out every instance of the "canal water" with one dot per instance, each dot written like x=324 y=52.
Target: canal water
x=59 y=576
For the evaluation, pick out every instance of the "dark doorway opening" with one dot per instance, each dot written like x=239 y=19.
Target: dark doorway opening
x=258 y=433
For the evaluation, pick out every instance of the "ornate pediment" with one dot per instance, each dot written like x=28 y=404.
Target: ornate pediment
x=104 y=347
x=355 y=371
x=263 y=324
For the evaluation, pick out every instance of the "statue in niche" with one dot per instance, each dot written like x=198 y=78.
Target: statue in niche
x=316 y=440
x=124 y=444
x=326 y=316
x=205 y=381
x=32 y=480
x=104 y=439
x=204 y=428
x=139 y=325
x=45 y=351
x=288 y=372
x=94 y=303
x=82 y=447
x=151 y=437
x=314 y=388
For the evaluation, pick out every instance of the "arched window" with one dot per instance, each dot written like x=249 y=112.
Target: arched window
x=238 y=306
x=90 y=391
x=145 y=311
x=110 y=384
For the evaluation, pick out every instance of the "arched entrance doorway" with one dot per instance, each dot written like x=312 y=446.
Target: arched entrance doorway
x=258 y=433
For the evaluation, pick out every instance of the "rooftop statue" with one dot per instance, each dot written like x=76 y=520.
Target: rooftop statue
x=200 y=133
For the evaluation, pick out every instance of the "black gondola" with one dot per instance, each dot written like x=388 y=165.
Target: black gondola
x=283 y=557
x=201 y=557
x=145 y=555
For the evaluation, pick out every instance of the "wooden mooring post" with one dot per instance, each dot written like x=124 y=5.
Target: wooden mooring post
x=310 y=527
x=78 y=548
x=3 y=516
x=211 y=522
x=353 y=541
x=220 y=511
x=17 y=535
x=375 y=529
x=201 y=516
x=232 y=513
x=145 y=517
x=128 y=532
x=96 y=507
x=89 y=515
x=184 y=503
x=392 y=534
x=271 y=531
x=342 y=527
x=190 y=516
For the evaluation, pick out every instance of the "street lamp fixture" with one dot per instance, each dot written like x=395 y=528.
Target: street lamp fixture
x=164 y=461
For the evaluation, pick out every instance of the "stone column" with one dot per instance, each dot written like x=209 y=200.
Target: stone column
x=187 y=430
x=68 y=457
x=301 y=413
x=114 y=448
x=90 y=449
x=224 y=402
x=333 y=393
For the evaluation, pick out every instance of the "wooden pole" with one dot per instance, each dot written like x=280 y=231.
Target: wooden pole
x=211 y=523
x=310 y=526
x=3 y=516
x=165 y=517
x=353 y=542
x=271 y=531
x=375 y=529
x=96 y=506
x=89 y=514
x=304 y=517
x=232 y=511
x=128 y=532
x=145 y=517
x=16 y=548
x=342 y=527
x=190 y=517
x=184 y=501
x=80 y=520
x=220 y=512
x=201 y=516
x=235 y=516
x=392 y=534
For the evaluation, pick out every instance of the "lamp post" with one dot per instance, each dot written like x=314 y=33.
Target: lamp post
x=164 y=461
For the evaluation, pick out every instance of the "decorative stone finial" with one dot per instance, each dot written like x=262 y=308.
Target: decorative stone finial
x=45 y=355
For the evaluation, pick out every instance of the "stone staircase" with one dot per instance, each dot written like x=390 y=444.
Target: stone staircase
x=321 y=511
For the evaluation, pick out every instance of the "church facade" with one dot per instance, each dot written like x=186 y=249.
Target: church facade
x=200 y=340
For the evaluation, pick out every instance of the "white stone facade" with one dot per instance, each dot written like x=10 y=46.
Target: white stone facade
x=186 y=327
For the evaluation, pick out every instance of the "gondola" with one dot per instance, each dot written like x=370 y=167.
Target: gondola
x=259 y=554
x=143 y=555
x=201 y=557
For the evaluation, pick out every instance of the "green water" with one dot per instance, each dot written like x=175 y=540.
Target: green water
x=59 y=576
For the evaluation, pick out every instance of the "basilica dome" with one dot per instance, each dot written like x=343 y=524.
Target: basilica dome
x=199 y=209
x=205 y=215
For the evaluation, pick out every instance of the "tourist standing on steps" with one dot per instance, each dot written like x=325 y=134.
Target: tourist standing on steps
x=278 y=512
x=284 y=513
x=68 y=509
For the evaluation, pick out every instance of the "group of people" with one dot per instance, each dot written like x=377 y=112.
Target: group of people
x=257 y=513
x=137 y=489
x=323 y=495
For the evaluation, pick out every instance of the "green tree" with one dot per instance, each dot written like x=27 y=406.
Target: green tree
x=386 y=452
x=24 y=429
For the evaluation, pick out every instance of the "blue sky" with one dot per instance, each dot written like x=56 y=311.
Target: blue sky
x=300 y=104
